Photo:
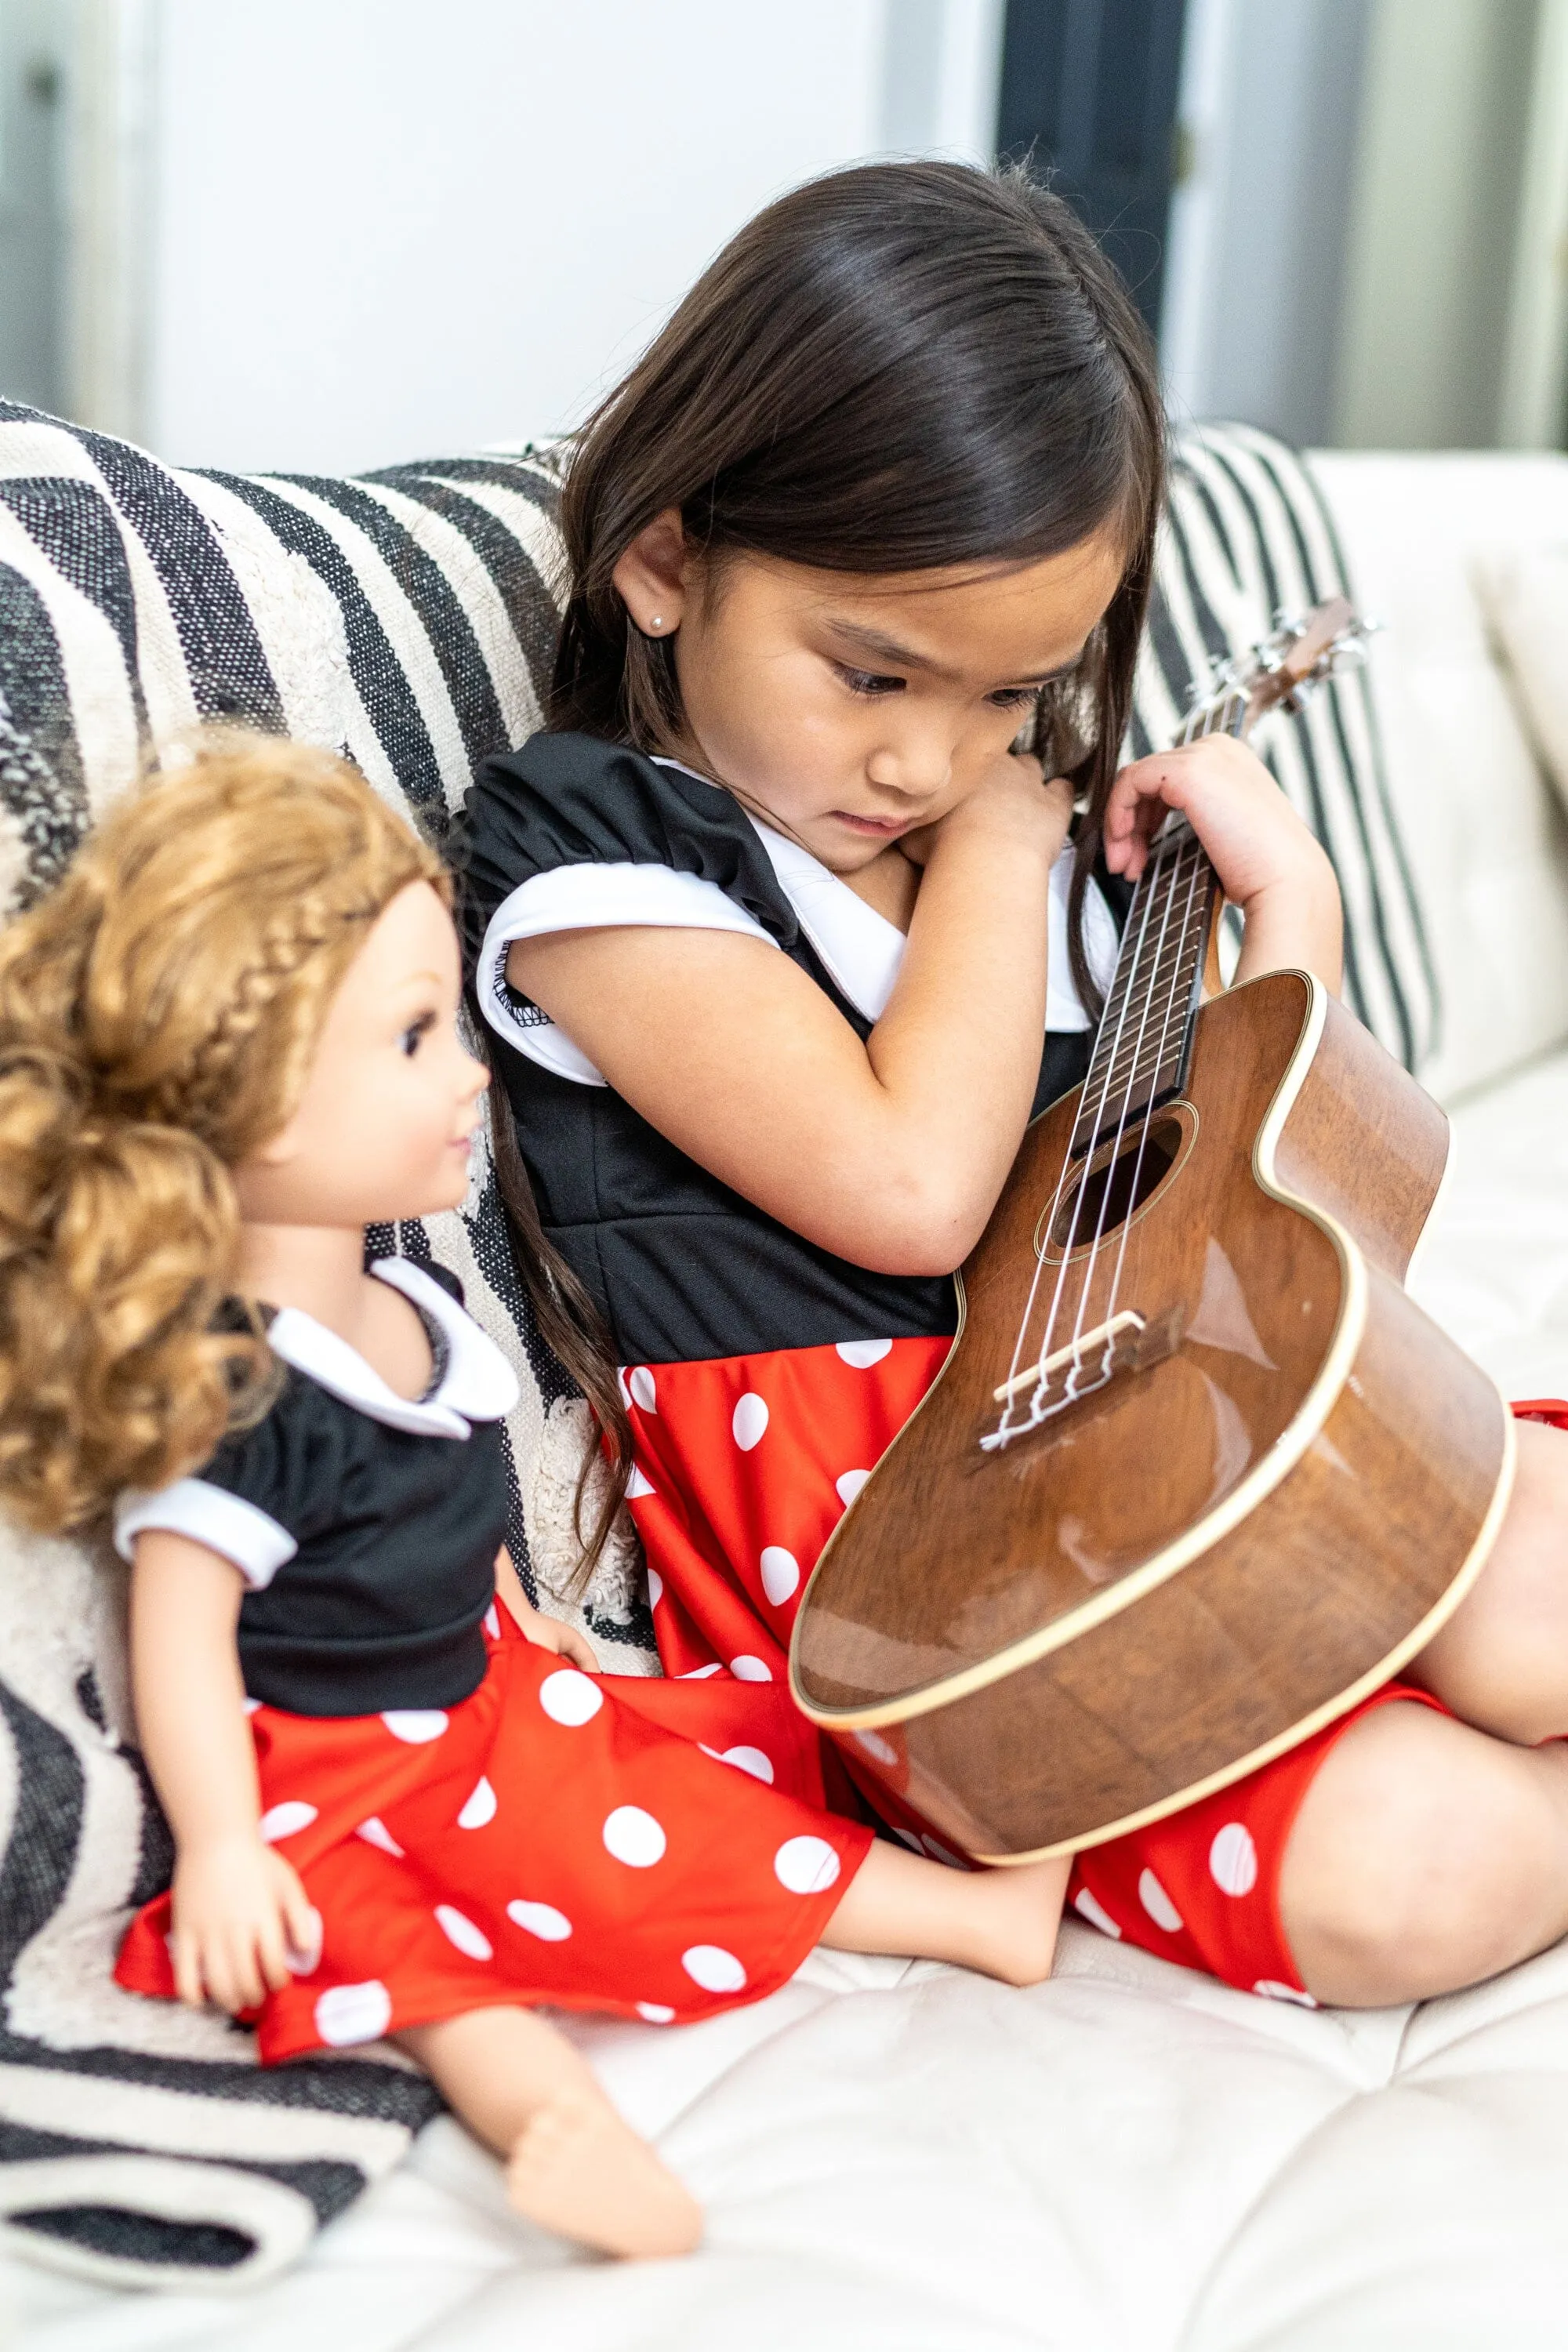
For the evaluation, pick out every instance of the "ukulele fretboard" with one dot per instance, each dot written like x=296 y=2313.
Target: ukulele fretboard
x=1145 y=1033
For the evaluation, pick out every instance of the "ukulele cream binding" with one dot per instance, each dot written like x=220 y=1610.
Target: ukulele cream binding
x=1196 y=1475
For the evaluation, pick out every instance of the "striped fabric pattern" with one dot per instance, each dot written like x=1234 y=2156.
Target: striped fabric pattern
x=407 y=620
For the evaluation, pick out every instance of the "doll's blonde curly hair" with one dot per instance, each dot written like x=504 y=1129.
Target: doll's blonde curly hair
x=159 y=1012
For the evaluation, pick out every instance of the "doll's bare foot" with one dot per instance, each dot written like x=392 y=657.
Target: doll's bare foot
x=1002 y=1921
x=579 y=2170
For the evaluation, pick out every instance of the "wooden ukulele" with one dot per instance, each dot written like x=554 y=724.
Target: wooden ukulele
x=1196 y=1475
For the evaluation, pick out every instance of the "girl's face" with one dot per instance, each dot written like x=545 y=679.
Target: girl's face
x=384 y=1123
x=848 y=710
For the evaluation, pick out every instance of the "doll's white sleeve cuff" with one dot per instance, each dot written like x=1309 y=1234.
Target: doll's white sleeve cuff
x=209 y=1515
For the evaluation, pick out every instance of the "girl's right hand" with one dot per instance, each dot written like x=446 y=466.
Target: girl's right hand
x=1012 y=801
x=240 y=1913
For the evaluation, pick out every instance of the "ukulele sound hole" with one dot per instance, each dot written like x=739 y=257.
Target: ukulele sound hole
x=1118 y=1186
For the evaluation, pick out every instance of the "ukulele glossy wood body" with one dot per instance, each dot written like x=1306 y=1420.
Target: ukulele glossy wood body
x=1041 y=1646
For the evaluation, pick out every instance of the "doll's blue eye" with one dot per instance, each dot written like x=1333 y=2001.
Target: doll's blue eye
x=409 y=1041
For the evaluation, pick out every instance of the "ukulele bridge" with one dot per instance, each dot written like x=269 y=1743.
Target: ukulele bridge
x=1114 y=1350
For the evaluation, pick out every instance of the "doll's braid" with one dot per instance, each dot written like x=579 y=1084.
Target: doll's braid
x=159 y=1011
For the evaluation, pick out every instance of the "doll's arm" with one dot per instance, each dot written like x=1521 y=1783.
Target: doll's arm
x=548 y=1632
x=238 y=1906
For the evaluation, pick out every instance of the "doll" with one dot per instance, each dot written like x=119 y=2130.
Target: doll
x=404 y=1801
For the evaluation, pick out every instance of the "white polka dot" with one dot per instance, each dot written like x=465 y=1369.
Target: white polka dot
x=643 y=1391
x=461 y=1930
x=415 y=1725
x=1233 y=1859
x=375 y=1833
x=910 y=1839
x=781 y=1573
x=250 y=1704
x=286 y=1820
x=699 y=1673
x=305 y=1960
x=655 y=2011
x=540 y=1919
x=569 y=1697
x=1272 y=1989
x=749 y=1760
x=634 y=1837
x=882 y=1751
x=492 y=1622
x=747 y=1669
x=1158 y=1905
x=864 y=1353
x=357 y=2012
x=806 y=1865
x=637 y=1485
x=655 y=1587
x=625 y=1392
x=1084 y=1904
x=940 y=1852
x=714 y=1969
x=849 y=1485
x=748 y=1423
x=480 y=1808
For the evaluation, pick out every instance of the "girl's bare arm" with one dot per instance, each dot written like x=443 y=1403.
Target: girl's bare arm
x=237 y=1905
x=891 y=1153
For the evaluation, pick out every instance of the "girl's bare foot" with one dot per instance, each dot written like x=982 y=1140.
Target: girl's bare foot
x=578 y=2169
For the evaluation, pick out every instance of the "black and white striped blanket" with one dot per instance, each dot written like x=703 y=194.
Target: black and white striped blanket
x=406 y=619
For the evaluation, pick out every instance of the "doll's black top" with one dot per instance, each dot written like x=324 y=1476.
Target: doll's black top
x=569 y=833
x=365 y=1524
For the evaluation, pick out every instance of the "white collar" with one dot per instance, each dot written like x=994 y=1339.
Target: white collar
x=478 y=1384
x=860 y=949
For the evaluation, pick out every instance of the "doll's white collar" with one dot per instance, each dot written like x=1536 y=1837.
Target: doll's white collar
x=478 y=1384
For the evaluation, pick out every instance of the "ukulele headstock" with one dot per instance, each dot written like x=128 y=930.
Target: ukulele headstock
x=1281 y=671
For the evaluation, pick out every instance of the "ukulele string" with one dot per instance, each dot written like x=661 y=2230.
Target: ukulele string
x=1071 y=1390
x=1231 y=719
x=1202 y=721
x=1002 y=1429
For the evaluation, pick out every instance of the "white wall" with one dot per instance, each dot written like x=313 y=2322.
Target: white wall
x=383 y=229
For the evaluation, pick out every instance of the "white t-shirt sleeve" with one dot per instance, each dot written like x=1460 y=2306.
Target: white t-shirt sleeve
x=591 y=897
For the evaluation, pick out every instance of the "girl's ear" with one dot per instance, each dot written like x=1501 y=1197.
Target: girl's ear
x=654 y=575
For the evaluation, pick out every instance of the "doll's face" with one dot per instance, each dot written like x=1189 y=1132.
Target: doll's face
x=384 y=1127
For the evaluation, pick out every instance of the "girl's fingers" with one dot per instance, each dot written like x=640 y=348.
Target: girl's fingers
x=186 y=1961
x=580 y=1650
x=272 y=1951
x=245 y=1986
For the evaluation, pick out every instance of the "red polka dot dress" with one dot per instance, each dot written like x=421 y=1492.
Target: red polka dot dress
x=764 y=1377
x=474 y=1820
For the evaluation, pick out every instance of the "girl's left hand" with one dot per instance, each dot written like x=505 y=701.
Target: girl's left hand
x=1268 y=864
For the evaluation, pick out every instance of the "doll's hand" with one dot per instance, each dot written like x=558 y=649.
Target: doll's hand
x=240 y=1915
x=1268 y=864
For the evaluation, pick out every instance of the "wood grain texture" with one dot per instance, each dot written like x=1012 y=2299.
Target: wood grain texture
x=1052 y=1639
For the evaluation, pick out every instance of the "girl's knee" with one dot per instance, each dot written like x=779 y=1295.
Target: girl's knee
x=1421 y=1861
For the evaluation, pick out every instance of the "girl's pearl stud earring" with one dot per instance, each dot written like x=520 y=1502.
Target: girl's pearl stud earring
x=656 y=620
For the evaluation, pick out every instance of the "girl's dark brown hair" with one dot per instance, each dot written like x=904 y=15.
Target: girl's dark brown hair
x=896 y=368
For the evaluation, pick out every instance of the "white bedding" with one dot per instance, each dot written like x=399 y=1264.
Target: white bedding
x=1127 y=2159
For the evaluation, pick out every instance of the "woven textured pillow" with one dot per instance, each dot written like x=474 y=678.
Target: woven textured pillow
x=407 y=620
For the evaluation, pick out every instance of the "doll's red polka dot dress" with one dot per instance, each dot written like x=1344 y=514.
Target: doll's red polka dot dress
x=474 y=1819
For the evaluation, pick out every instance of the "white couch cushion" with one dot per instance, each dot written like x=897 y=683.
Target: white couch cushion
x=1488 y=845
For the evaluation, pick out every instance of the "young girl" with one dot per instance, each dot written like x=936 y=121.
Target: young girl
x=227 y=1044
x=769 y=927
